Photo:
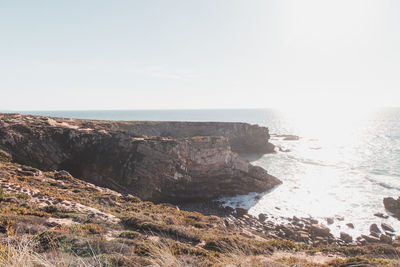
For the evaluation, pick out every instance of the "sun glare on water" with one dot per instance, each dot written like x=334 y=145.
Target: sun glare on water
x=331 y=133
x=317 y=165
x=337 y=124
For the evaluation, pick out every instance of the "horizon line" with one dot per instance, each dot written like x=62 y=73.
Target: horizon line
x=172 y=109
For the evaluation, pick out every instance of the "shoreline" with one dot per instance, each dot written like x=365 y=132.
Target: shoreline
x=307 y=230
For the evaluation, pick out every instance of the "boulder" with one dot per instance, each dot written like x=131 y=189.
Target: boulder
x=262 y=217
x=339 y=218
x=319 y=230
x=387 y=227
x=385 y=239
x=374 y=234
x=371 y=239
x=392 y=205
x=389 y=233
x=396 y=243
x=361 y=242
x=240 y=212
x=329 y=220
x=288 y=232
x=374 y=228
x=229 y=210
x=350 y=225
x=301 y=236
x=346 y=237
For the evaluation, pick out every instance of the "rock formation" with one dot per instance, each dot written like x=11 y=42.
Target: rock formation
x=242 y=137
x=392 y=205
x=158 y=161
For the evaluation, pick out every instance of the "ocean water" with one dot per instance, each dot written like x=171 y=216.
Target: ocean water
x=345 y=162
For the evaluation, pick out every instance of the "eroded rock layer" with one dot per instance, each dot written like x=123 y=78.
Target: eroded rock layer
x=159 y=161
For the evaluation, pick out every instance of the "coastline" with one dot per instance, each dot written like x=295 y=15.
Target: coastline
x=205 y=226
x=306 y=230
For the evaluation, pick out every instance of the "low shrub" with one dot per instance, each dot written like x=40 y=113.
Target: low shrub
x=7 y=227
x=170 y=231
x=129 y=235
x=359 y=261
x=48 y=240
x=237 y=245
x=2 y=195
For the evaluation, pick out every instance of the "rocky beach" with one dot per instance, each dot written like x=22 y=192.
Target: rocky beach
x=61 y=178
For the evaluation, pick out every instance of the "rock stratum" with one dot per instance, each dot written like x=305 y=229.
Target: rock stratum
x=157 y=161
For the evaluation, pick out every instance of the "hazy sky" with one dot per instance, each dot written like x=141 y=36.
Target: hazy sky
x=150 y=54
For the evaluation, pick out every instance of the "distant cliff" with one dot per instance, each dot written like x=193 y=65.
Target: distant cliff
x=159 y=161
x=242 y=137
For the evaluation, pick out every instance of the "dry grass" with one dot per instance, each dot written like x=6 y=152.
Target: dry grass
x=147 y=235
x=171 y=255
x=23 y=252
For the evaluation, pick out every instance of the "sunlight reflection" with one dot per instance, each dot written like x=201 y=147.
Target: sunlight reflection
x=333 y=130
x=332 y=170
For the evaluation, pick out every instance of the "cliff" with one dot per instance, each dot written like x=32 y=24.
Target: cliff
x=158 y=161
x=242 y=137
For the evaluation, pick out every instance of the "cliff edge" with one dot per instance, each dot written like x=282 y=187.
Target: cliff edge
x=158 y=161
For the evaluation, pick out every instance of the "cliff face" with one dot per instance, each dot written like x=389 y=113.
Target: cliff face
x=242 y=137
x=157 y=161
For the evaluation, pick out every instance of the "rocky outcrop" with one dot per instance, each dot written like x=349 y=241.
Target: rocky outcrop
x=242 y=137
x=392 y=205
x=157 y=161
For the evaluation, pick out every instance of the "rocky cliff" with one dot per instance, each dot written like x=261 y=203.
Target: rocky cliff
x=159 y=161
x=242 y=137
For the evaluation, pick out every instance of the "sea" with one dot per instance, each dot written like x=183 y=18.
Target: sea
x=344 y=163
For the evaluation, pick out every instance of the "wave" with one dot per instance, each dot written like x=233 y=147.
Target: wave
x=310 y=161
x=382 y=184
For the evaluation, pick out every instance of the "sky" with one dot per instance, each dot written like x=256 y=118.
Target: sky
x=195 y=54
